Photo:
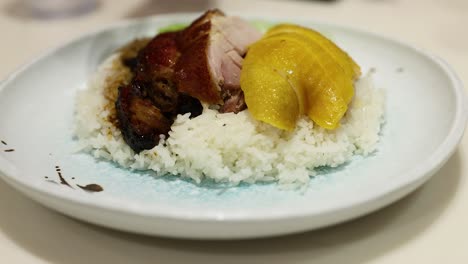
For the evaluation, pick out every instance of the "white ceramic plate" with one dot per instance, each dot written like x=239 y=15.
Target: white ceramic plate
x=425 y=119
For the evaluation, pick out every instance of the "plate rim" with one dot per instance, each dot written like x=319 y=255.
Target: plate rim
x=422 y=171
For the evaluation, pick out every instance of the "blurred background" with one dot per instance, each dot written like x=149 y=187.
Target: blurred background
x=430 y=24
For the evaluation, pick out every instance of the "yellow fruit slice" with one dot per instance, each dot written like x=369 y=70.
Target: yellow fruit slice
x=321 y=88
x=271 y=95
x=351 y=68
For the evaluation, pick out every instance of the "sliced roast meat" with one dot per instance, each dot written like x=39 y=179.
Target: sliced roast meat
x=145 y=106
x=157 y=60
x=163 y=94
x=177 y=70
x=212 y=48
x=192 y=77
x=155 y=70
x=140 y=122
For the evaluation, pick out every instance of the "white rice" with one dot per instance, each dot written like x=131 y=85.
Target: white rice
x=230 y=147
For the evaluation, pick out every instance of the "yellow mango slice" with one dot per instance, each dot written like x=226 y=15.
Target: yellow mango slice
x=291 y=68
x=351 y=68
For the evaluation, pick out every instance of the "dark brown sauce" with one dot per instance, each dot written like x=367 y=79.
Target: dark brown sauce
x=9 y=150
x=91 y=187
x=3 y=142
x=62 y=180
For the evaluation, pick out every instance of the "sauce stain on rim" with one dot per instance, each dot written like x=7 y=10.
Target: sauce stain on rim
x=62 y=179
x=91 y=187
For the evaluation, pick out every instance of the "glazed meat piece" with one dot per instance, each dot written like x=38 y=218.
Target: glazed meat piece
x=209 y=68
x=146 y=107
x=155 y=70
x=140 y=121
x=157 y=59
x=177 y=70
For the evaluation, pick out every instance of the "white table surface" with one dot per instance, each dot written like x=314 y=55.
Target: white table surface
x=429 y=226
